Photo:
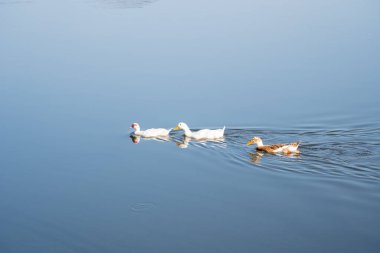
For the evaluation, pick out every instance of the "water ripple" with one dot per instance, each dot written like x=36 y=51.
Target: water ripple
x=353 y=153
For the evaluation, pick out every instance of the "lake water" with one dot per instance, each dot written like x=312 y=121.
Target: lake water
x=75 y=74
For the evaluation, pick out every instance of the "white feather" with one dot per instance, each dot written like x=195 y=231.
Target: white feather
x=202 y=134
x=152 y=132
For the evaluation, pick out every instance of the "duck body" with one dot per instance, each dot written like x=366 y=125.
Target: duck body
x=201 y=134
x=148 y=133
x=287 y=148
x=206 y=134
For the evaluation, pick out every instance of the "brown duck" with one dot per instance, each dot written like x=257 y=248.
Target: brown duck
x=290 y=148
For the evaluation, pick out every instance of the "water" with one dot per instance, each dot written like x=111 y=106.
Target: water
x=75 y=74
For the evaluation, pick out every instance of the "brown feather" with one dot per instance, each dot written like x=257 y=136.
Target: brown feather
x=271 y=148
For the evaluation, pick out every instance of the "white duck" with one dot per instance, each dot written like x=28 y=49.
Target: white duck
x=201 y=134
x=153 y=132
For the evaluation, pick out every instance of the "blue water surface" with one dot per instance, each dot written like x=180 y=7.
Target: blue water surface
x=75 y=74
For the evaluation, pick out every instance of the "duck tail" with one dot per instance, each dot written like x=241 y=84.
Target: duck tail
x=296 y=144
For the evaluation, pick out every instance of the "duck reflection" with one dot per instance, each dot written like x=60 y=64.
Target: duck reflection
x=136 y=139
x=258 y=155
x=125 y=4
x=185 y=141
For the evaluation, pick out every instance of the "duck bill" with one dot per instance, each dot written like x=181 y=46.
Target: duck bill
x=250 y=142
x=176 y=128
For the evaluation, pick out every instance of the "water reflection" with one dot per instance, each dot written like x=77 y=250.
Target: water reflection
x=125 y=4
x=182 y=142
x=256 y=157
x=136 y=139
x=185 y=141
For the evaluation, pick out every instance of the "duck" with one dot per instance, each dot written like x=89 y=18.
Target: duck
x=201 y=134
x=289 y=148
x=153 y=132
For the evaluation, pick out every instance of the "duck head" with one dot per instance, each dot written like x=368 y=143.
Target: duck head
x=256 y=140
x=181 y=126
x=135 y=126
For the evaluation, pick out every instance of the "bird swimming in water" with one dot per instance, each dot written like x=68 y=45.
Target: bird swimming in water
x=289 y=148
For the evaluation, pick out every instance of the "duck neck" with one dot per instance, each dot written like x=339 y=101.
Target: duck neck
x=137 y=129
x=259 y=143
x=187 y=131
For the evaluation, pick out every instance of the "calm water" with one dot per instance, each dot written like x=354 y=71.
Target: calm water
x=75 y=74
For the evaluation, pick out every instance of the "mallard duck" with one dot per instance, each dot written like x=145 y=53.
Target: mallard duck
x=201 y=134
x=275 y=148
x=153 y=132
